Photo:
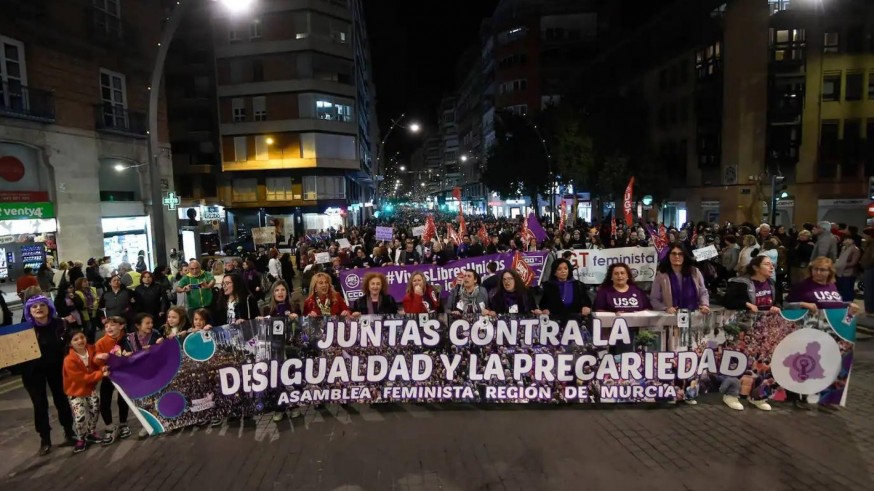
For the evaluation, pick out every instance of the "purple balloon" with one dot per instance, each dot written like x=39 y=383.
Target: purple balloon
x=147 y=372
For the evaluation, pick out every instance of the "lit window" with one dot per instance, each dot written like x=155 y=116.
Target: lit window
x=239 y=106
x=831 y=87
x=240 y=150
x=255 y=29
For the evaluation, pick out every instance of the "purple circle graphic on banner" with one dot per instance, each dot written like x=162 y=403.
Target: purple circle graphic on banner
x=171 y=405
x=147 y=372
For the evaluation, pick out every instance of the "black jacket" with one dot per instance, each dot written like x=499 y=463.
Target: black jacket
x=246 y=310
x=551 y=300
x=387 y=305
x=491 y=282
x=499 y=305
x=61 y=307
x=150 y=300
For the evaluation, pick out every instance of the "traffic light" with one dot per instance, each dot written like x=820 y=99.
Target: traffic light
x=871 y=188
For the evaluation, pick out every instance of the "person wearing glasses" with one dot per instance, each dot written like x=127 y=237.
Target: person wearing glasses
x=235 y=304
x=679 y=284
x=819 y=290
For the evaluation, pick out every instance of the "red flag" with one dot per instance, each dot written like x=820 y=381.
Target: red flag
x=525 y=233
x=629 y=190
x=462 y=226
x=430 y=229
x=456 y=193
x=520 y=266
x=613 y=225
x=453 y=235
x=483 y=234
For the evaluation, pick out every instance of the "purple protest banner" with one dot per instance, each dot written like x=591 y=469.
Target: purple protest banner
x=398 y=276
x=535 y=228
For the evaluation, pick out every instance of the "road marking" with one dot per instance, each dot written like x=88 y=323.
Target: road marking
x=10 y=386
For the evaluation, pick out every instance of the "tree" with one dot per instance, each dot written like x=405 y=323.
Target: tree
x=574 y=155
x=517 y=162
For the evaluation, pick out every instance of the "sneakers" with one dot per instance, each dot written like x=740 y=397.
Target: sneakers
x=216 y=422
x=761 y=404
x=124 y=431
x=295 y=413
x=278 y=416
x=93 y=438
x=732 y=402
x=143 y=434
x=690 y=402
x=108 y=437
x=802 y=405
x=45 y=446
x=79 y=446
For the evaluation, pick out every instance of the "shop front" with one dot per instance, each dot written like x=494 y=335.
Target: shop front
x=510 y=208
x=208 y=222
x=848 y=211
x=674 y=213
x=27 y=237
x=124 y=237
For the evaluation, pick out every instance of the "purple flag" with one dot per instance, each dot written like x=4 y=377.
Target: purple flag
x=535 y=228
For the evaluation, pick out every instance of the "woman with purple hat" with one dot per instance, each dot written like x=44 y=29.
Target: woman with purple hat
x=48 y=369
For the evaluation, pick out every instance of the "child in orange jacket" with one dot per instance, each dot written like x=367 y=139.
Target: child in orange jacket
x=81 y=375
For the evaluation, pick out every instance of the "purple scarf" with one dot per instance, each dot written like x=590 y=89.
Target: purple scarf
x=683 y=294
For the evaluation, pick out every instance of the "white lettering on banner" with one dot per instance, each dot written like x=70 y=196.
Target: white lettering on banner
x=828 y=296
x=592 y=264
x=705 y=253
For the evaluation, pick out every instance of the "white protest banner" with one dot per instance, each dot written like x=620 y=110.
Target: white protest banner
x=418 y=231
x=705 y=253
x=384 y=233
x=264 y=235
x=592 y=264
x=323 y=257
x=344 y=243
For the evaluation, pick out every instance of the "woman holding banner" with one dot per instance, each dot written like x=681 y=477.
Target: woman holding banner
x=755 y=291
x=323 y=299
x=511 y=296
x=235 y=304
x=678 y=284
x=280 y=304
x=421 y=297
x=375 y=298
x=564 y=296
x=619 y=294
x=469 y=298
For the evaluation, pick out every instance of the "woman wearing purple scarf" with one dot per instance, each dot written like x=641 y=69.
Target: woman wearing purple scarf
x=564 y=296
x=679 y=284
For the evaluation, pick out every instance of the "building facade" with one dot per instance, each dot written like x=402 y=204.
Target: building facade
x=295 y=102
x=74 y=169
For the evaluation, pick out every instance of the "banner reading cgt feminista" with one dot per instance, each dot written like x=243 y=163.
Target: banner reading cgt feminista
x=351 y=280
x=591 y=264
x=266 y=364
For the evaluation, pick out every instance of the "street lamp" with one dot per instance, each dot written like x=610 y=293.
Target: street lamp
x=122 y=167
x=403 y=168
x=464 y=158
x=173 y=22
x=269 y=141
x=414 y=127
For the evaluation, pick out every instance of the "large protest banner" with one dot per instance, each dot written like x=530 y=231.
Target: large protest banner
x=265 y=364
x=351 y=280
x=592 y=264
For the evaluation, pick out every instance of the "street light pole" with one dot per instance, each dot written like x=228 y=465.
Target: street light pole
x=160 y=240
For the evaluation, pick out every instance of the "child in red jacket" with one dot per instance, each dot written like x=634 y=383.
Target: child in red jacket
x=81 y=375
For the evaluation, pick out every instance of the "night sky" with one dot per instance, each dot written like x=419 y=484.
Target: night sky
x=414 y=47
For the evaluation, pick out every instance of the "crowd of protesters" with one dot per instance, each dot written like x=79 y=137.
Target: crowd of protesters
x=756 y=266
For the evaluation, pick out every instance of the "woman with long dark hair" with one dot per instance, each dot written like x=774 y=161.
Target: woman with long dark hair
x=511 y=296
x=252 y=279
x=679 y=284
x=234 y=304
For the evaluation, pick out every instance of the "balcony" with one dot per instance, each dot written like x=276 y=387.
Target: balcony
x=118 y=120
x=20 y=101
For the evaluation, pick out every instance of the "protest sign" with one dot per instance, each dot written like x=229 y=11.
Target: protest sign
x=344 y=243
x=323 y=257
x=418 y=231
x=591 y=264
x=384 y=233
x=264 y=235
x=705 y=253
x=17 y=345
x=398 y=276
x=265 y=364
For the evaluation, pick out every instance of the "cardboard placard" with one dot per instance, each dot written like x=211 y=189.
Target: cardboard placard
x=705 y=253
x=323 y=257
x=384 y=233
x=419 y=231
x=18 y=345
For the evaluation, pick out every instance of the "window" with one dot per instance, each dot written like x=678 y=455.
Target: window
x=831 y=86
x=13 y=75
x=787 y=44
x=233 y=34
x=852 y=148
x=113 y=95
x=107 y=18
x=255 y=29
x=708 y=60
x=853 y=90
x=259 y=108
x=829 y=149
x=521 y=109
x=331 y=187
x=245 y=189
x=257 y=71
x=239 y=105
x=309 y=187
x=240 y=150
x=333 y=111
x=262 y=149
x=831 y=42
x=855 y=40
x=279 y=189
x=235 y=67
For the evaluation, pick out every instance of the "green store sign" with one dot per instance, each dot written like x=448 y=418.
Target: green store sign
x=26 y=211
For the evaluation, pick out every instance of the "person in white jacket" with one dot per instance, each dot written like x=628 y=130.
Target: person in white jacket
x=274 y=267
